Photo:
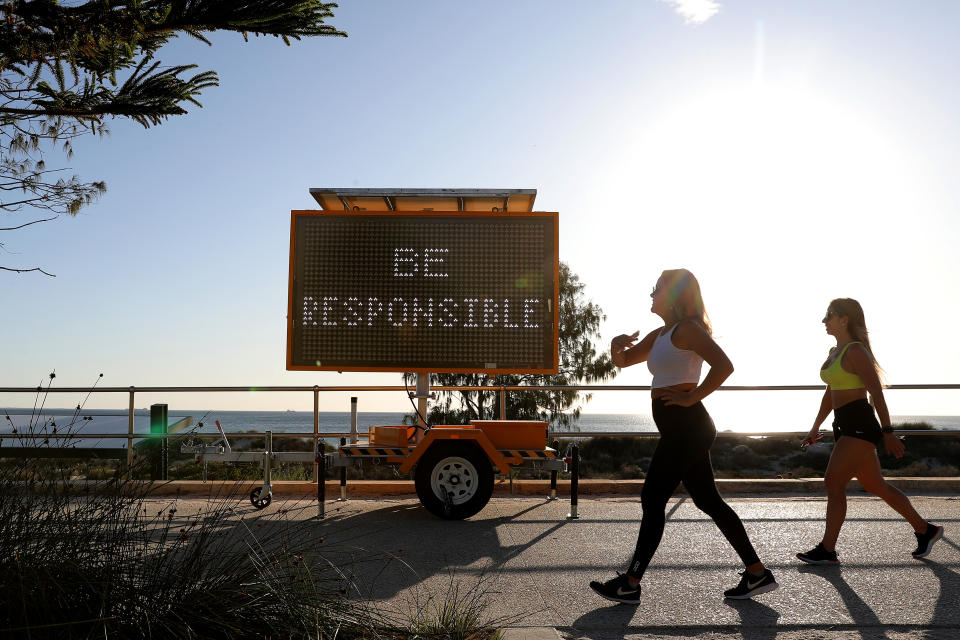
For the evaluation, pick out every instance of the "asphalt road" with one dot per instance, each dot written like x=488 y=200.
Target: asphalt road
x=531 y=565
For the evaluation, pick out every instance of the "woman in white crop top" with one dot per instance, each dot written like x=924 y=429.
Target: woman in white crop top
x=674 y=354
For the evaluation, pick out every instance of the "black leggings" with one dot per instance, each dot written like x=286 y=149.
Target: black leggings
x=683 y=455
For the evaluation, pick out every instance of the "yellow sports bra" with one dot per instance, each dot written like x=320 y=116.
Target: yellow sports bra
x=837 y=378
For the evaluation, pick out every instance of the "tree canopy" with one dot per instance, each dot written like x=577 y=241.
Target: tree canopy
x=65 y=68
x=580 y=363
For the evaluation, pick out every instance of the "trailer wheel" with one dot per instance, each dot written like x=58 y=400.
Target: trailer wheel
x=257 y=501
x=454 y=480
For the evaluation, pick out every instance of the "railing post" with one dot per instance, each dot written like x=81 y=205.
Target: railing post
x=574 y=481
x=503 y=403
x=343 y=477
x=130 y=433
x=316 y=425
x=321 y=464
x=267 y=490
x=553 y=475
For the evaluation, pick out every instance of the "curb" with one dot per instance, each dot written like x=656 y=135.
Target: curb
x=504 y=486
x=530 y=633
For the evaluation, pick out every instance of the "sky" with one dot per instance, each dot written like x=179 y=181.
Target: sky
x=787 y=153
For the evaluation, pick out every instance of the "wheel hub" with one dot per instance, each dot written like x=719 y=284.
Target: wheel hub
x=454 y=478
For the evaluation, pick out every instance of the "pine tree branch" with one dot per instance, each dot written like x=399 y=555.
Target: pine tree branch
x=27 y=224
x=28 y=271
x=101 y=37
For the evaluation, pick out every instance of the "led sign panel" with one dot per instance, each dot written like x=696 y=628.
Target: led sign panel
x=423 y=291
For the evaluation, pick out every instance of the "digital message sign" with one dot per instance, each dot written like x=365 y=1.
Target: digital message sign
x=423 y=291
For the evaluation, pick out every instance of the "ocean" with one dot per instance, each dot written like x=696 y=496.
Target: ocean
x=116 y=421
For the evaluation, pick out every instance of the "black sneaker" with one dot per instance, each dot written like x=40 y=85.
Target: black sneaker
x=819 y=555
x=617 y=589
x=926 y=540
x=751 y=585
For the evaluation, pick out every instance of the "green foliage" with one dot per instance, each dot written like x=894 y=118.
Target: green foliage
x=580 y=363
x=107 y=559
x=614 y=457
x=766 y=457
x=457 y=612
x=61 y=69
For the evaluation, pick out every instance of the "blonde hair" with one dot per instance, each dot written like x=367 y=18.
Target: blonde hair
x=856 y=325
x=684 y=298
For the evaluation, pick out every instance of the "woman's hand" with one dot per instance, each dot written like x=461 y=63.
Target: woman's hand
x=812 y=438
x=679 y=398
x=894 y=445
x=623 y=341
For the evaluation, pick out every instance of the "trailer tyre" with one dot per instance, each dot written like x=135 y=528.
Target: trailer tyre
x=454 y=480
x=257 y=501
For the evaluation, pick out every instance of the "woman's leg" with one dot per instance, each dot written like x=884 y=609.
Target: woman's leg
x=871 y=478
x=663 y=477
x=702 y=487
x=847 y=457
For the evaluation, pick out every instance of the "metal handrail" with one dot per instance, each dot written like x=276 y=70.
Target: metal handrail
x=497 y=387
x=500 y=389
x=330 y=435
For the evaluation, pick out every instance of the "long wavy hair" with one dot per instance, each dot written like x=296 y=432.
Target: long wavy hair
x=856 y=325
x=684 y=298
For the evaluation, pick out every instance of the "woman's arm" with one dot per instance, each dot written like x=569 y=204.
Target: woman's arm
x=826 y=406
x=857 y=360
x=624 y=353
x=691 y=336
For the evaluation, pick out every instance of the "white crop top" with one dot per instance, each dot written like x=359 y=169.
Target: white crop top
x=670 y=365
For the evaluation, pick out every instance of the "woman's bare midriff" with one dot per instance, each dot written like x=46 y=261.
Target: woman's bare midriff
x=686 y=386
x=846 y=396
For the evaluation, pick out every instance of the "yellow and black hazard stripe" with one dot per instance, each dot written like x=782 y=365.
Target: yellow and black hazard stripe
x=378 y=452
x=528 y=454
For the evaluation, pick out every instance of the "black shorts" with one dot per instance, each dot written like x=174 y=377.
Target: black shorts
x=857 y=420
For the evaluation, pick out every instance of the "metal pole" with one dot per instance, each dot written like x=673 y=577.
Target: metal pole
x=503 y=403
x=343 y=477
x=574 y=481
x=321 y=463
x=130 y=433
x=316 y=426
x=423 y=392
x=354 y=435
x=267 y=486
x=553 y=475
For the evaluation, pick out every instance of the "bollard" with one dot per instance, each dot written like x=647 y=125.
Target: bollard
x=574 y=480
x=321 y=481
x=354 y=435
x=158 y=448
x=553 y=475
x=268 y=466
x=343 y=477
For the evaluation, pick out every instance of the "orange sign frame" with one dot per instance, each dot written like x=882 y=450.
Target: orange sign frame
x=459 y=214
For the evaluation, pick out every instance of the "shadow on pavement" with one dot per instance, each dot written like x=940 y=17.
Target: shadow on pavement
x=949 y=601
x=758 y=621
x=860 y=611
x=398 y=546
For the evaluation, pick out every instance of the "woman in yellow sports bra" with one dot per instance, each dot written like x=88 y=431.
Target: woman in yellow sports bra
x=851 y=372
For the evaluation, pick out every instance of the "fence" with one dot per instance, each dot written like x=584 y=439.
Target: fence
x=316 y=435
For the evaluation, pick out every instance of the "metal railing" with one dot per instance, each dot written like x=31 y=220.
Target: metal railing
x=502 y=390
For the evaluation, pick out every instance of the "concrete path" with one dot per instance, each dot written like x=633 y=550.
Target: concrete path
x=532 y=565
